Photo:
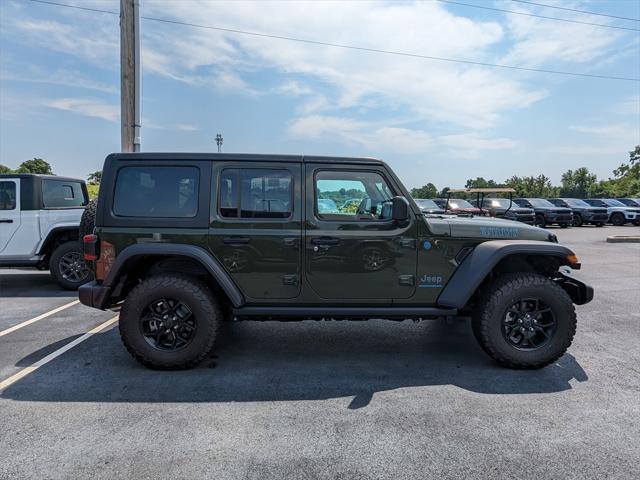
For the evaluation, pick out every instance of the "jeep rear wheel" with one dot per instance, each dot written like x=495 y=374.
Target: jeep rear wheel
x=540 y=221
x=525 y=320
x=88 y=219
x=170 y=322
x=67 y=266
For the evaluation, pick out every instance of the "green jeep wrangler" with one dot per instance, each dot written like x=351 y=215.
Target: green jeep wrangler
x=183 y=242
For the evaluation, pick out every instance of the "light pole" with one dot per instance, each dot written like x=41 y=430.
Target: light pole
x=219 y=141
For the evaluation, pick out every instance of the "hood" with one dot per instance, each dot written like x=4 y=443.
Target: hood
x=485 y=228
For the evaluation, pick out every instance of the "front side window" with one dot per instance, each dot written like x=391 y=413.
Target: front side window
x=255 y=193
x=7 y=195
x=170 y=192
x=62 y=193
x=352 y=195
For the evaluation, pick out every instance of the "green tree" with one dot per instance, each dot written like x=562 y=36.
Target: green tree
x=444 y=192
x=5 y=169
x=577 y=183
x=530 y=186
x=426 y=191
x=480 y=182
x=95 y=178
x=37 y=165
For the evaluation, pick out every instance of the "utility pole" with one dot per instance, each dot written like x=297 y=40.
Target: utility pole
x=130 y=75
x=219 y=141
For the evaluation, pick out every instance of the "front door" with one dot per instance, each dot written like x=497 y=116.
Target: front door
x=354 y=250
x=255 y=230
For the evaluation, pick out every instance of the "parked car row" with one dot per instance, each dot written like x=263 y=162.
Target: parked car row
x=563 y=212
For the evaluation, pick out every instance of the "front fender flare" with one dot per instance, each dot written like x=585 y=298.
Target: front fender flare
x=194 y=252
x=484 y=257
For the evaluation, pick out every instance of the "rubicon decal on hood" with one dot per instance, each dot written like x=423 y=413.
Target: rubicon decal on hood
x=500 y=232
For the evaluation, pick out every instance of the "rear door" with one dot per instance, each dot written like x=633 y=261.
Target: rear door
x=9 y=211
x=354 y=250
x=256 y=230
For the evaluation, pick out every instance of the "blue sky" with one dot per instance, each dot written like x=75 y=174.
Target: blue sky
x=432 y=121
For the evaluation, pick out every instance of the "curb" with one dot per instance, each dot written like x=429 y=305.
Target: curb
x=624 y=239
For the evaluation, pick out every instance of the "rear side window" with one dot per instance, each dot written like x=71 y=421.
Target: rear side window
x=255 y=193
x=62 y=193
x=7 y=195
x=170 y=192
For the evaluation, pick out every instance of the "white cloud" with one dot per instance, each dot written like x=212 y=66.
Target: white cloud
x=612 y=132
x=629 y=106
x=67 y=78
x=88 y=107
x=363 y=134
x=538 y=41
x=184 y=127
x=429 y=90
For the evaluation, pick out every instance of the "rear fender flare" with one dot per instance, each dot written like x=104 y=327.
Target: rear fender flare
x=478 y=264
x=199 y=254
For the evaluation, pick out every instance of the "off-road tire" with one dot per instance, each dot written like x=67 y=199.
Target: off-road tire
x=618 y=219
x=55 y=267
x=577 y=220
x=188 y=290
x=88 y=220
x=492 y=307
x=564 y=225
x=599 y=224
x=540 y=221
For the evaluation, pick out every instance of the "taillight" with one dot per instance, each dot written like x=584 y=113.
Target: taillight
x=106 y=257
x=90 y=247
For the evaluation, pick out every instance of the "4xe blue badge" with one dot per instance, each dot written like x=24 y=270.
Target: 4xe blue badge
x=430 y=281
x=426 y=245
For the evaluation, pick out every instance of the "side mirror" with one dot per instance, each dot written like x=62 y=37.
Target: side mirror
x=399 y=209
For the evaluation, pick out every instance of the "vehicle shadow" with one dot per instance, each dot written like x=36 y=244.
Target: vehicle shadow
x=273 y=361
x=31 y=284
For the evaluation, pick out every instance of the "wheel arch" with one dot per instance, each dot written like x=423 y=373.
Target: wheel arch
x=495 y=257
x=57 y=235
x=144 y=260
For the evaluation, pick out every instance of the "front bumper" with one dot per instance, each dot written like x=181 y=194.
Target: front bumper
x=93 y=295
x=579 y=292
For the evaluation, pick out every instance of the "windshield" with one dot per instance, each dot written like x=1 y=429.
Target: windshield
x=576 y=202
x=614 y=203
x=426 y=203
x=540 y=202
x=459 y=203
x=497 y=202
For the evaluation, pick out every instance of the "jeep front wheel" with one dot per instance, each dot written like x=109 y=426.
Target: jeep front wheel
x=617 y=219
x=525 y=320
x=169 y=322
x=67 y=266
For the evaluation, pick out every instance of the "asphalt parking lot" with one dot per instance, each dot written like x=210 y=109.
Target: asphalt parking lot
x=307 y=400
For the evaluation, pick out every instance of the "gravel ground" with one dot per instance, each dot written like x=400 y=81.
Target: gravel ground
x=335 y=400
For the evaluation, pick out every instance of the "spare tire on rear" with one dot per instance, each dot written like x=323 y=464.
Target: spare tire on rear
x=88 y=220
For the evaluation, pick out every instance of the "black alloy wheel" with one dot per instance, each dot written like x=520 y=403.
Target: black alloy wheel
x=168 y=324
x=528 y=324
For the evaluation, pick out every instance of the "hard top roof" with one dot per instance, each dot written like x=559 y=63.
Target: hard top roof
x=255 y=157
x=39 y=175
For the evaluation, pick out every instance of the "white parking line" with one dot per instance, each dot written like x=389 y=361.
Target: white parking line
x=43 y=361
x=39 y=317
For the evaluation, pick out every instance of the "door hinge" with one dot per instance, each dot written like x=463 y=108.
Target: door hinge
x=407 y=280
x=290 y=279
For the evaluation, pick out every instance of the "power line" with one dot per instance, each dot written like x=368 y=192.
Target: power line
x=576 y=11
x=537 y=16
x=356 y=48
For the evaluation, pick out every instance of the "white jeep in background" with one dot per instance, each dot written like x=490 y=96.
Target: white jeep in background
x=39 y=225
x=619 y=213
